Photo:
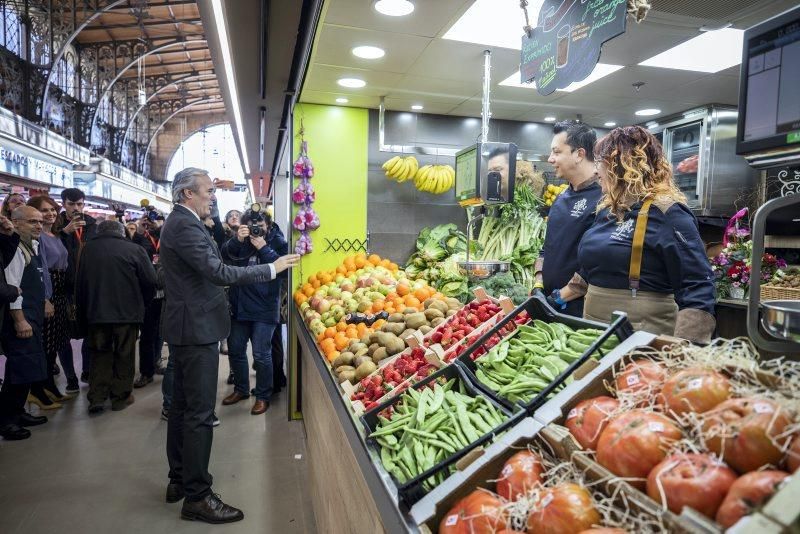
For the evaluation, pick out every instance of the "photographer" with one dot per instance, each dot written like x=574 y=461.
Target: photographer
x=255 y=308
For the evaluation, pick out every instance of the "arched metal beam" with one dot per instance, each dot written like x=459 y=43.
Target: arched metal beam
x=63 y=49
x=173 y=114
x=186 y=137
x=122 y=71
x=186 y=79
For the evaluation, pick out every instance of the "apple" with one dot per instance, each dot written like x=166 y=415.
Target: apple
x=304 y=306
x=335 y=292
x=338 y=312
x=314 y=302
x=322 y=292
x=351 y=305
x=316 y=325
x=347 y=286
x=339 y=278
x=346 y=295
x=359 y=292
x=364 y=306
x=324 y=306
x=383 y=290
x=330 y=322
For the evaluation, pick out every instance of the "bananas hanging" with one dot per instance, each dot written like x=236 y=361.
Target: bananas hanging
x=435 y=179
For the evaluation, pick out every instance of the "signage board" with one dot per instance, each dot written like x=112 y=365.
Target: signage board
x=564 y=47
x=24 y=163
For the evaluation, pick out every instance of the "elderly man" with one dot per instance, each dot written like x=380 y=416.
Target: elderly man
x=195 y=319
x=22 y=335
x=116 y=281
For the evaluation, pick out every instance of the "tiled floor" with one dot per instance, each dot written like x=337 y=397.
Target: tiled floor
x=107 y=474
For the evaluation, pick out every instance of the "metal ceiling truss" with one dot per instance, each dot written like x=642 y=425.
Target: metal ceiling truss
x=175 y=113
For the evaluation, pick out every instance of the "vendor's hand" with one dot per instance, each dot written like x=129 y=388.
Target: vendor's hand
x=6 y=226
x=73 y=225
x=23 y=329
x=49 y=310
x=258 y=242
x=242 y=233
x=286 y=262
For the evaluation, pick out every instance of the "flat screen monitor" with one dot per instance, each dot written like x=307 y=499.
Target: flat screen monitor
x=485 y=174
x=769 y=88
x=467 y=163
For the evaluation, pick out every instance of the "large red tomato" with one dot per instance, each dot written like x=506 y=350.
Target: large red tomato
x=793 y=456
x=521 y=473
x=587 y=420
x=747 y=493
x=698 y=481
x=564 y=509
x=635 y=442
x=744 y=432
x=695 y=390
x=641 y=375
x=480 y=512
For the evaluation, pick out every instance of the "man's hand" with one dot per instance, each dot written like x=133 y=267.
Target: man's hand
x=23 y=329
x=258 y=242
x=73 y=225
x=286 y=262
x=242 y=233
x=49 y=310
x=6 y=226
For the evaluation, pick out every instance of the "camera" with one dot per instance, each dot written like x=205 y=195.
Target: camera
x=254 y=216
x=77 y=216
x=149 y=212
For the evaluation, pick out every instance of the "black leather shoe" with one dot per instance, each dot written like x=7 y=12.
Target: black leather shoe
x=210 y=509
x=27 y=419
x=14 y=432
x=142 y=381
x=174 y=492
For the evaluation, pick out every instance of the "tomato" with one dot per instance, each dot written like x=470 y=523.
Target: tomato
x=566 y=508
x=480 y=512
x=695 y=390
x=744 y=432
x=587 y=420
x=793 y=456
x=521 y=473
x=746 y=494
x=698 y=481
x=635 y=442
x=640 y=376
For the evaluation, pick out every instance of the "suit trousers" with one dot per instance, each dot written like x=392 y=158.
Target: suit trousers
x=113 y=352
x=150 y=342
x=190 y=431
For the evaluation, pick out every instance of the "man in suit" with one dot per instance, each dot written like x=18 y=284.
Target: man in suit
x=195 y=319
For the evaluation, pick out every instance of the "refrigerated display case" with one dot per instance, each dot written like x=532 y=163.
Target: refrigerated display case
x=701 y=146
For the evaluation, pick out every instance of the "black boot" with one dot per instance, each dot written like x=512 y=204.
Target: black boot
x=14 y=432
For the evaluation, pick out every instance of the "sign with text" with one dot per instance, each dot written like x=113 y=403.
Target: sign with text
x=565 y=45
x=16 y=162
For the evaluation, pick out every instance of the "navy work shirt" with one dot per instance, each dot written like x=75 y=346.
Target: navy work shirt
x=673 y=261
x=570 y=216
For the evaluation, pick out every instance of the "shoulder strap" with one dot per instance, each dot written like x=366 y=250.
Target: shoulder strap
x=637 y=247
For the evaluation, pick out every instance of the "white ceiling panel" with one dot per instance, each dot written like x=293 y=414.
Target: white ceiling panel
x=427 y=20
x=427 y=87
x=355 y=101
x=455 y=60
x=324 y=77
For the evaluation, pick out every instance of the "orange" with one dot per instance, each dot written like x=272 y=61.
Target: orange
x=341 y=326
x=308 y=290
x=391 y=296
x=400 y=308
x=320 y=339
x=361 y=328
x=385 y=263
x=374 y=259
x=377 y=306
x=378 y=324
x=393 y=267
x=351 y=332
x=437 y=296
x=402 y=290
x=299 y=298
x=312 y=279
x=341 y=270
x=332 y=355
x=316 y=284
x=422 y=294
x=330 y=332
x=327 y=344
x=410 y=300
x=361 y=255
x=341 y=341
x=325 y=278
x=389 y=308
x=360 y=263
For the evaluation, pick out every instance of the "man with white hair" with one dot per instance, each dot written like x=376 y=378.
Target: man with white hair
x=195 y=319
x=116 y=281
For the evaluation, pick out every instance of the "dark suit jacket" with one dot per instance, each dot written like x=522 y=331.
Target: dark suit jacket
x=195 y=307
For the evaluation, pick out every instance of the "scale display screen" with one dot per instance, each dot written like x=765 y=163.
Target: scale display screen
x=485 y=174
x=770 y=81
x=467 y=174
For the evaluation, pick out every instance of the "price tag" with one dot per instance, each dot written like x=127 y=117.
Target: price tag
x=763 y=407
x=435 y=356
x=506 y=304
x=480 y=294
x=696 y=383
x=451 y=520
x=414 y=340
x=573 y=413
x=632 y=380
x=655 y=426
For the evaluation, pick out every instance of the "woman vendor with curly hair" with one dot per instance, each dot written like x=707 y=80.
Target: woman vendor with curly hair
x=643 y=255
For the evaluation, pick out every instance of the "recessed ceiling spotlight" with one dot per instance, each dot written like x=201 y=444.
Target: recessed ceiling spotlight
x=394 y=8
x=550 y=119
x=353 y=83
x=610 y=124
x=416 y=107
x=342 y=101
x=368 y=52
x=648 y=112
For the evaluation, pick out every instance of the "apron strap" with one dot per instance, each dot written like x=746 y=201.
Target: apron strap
x=637 y=247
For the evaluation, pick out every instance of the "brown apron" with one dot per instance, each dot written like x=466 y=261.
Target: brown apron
x=647 y=311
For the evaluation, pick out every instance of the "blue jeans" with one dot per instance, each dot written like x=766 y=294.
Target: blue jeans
x=166 y=382
x=260 y=336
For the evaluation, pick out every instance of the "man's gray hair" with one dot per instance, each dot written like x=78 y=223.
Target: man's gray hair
x=111 y=227
x=186 y=179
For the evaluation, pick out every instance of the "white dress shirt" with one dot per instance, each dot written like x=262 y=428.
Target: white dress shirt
x=14 y=271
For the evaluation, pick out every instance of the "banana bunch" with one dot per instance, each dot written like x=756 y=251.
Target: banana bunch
x=401 y=169
x=552 y=192
x=435 y=179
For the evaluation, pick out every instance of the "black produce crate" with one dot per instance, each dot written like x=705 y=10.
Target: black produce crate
x=413 y=490
x=537 y=308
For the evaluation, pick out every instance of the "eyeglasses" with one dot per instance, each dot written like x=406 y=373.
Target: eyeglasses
x=33 y=222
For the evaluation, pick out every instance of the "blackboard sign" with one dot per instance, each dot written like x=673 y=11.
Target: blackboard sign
x=565 y=45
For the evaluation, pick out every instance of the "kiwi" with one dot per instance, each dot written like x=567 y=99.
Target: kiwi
x=345 y=358
x=396 y=346
x=432 y=314
x=437 y=322
x=394 y=328
x=396 y=318
x=365 y=369
x=363 y=352
x=408 y=332
x=416 y=320
x=348 y=376
x=355 y=347
x=379 y=355
x=372 y=348
x=439 y=305
x=425 y=329
x=451 y=313
x=359 y=360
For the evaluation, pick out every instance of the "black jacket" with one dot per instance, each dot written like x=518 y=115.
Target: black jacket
x=8 y=293
x=143 y=241
x=116 y=280
x=74 y=246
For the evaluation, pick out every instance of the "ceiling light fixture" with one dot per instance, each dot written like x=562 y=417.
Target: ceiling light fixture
x=648 y=112
x=342 y=101
x=227 y=59
x=368 y=52
x=610 y=124
x=601 y=70
x=416 y=107
x=550 y=119
x=486 y=23
x=710 y=52
x=352 y=83
x=651 y=125
x=394 y=8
